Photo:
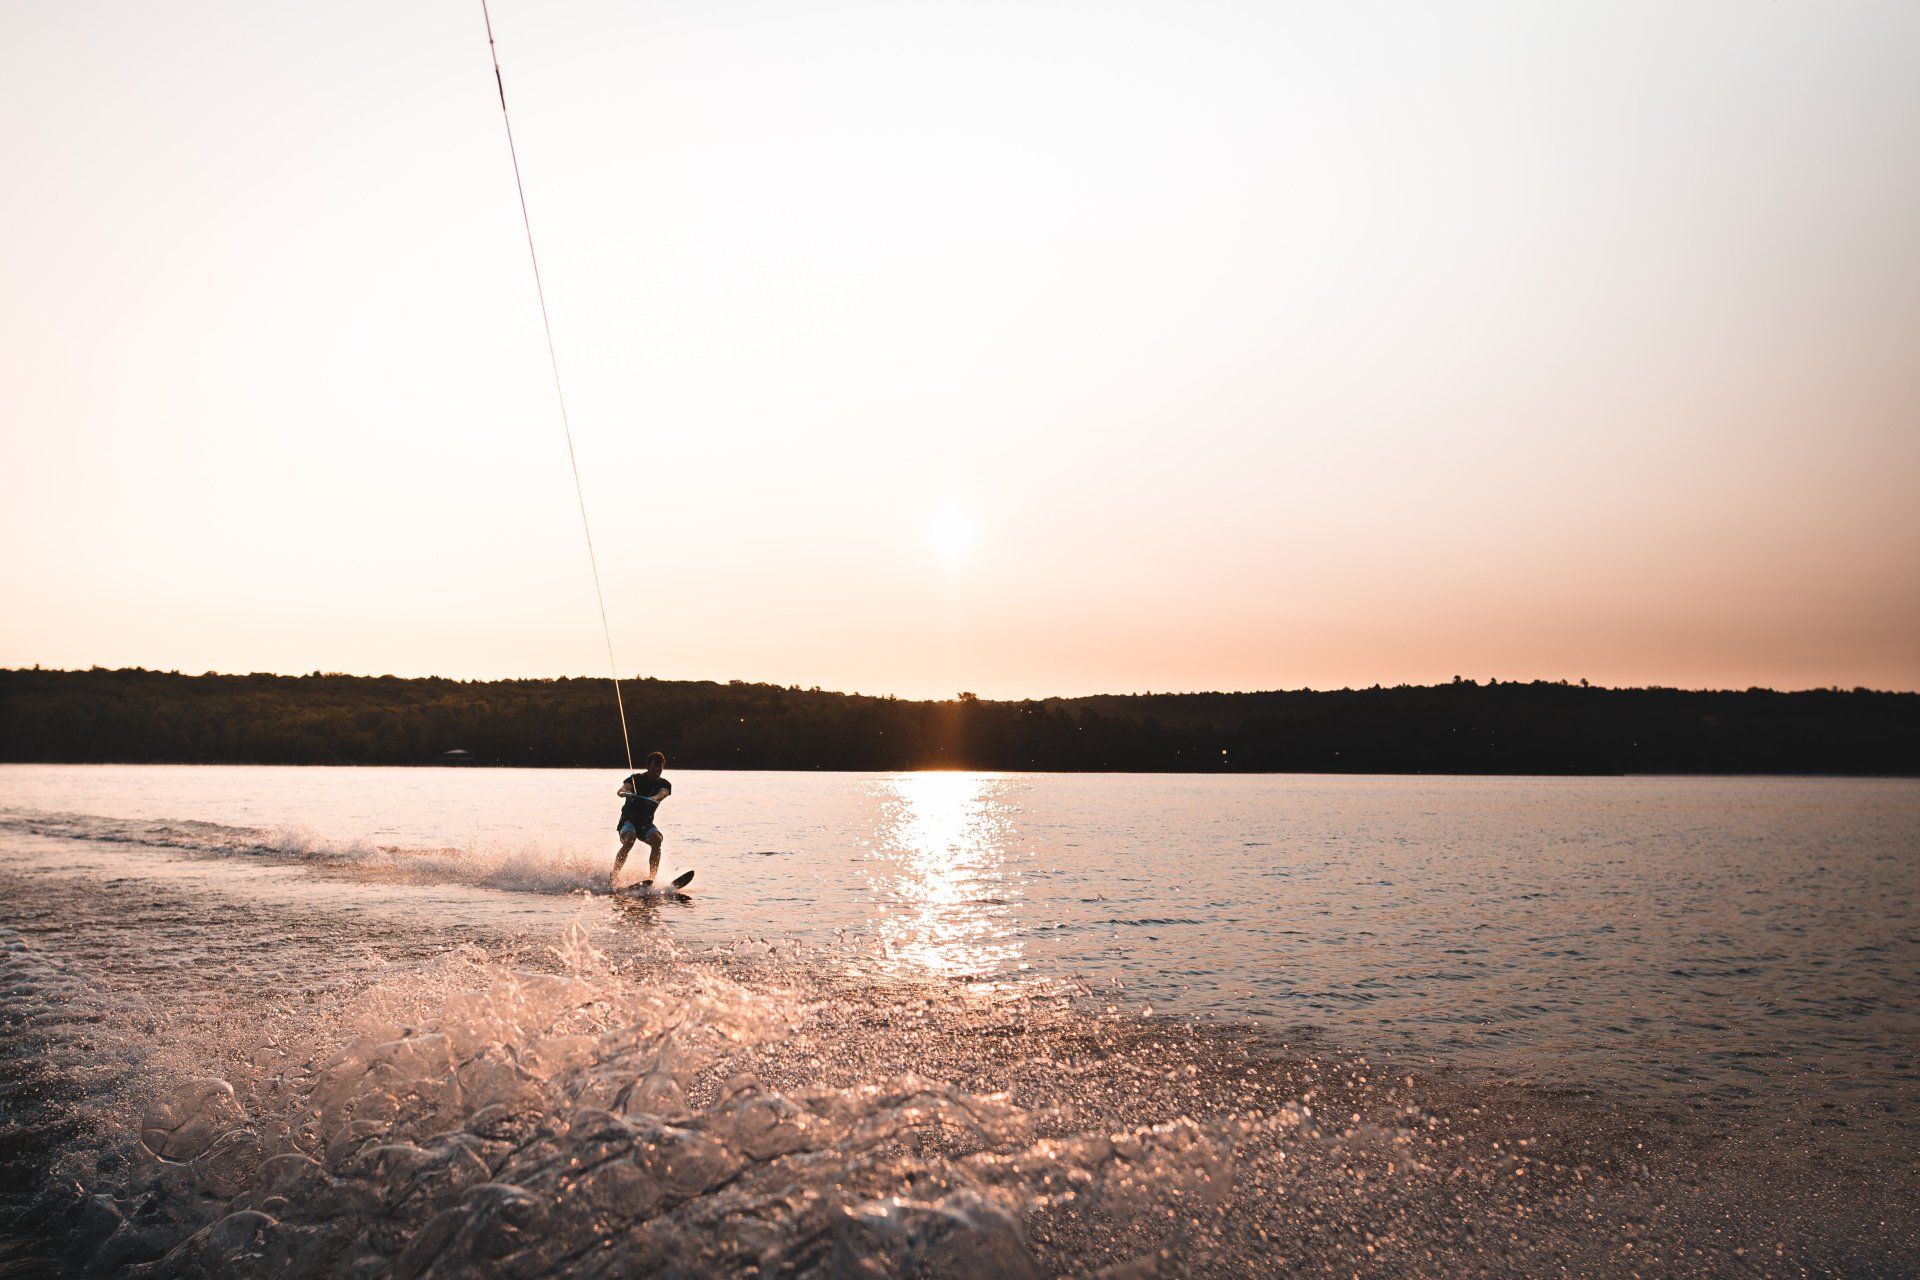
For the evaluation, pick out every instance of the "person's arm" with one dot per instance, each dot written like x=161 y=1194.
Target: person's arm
x=626 y=788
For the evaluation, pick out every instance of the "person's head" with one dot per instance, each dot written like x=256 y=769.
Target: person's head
x=656 y=762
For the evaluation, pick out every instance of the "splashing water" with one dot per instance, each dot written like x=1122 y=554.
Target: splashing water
x=465 y=1118
x=526 y=868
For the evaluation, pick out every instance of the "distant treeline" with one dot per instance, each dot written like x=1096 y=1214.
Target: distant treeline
x=1463 y=727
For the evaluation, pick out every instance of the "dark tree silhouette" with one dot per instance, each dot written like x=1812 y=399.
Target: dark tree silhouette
x=1461 y=727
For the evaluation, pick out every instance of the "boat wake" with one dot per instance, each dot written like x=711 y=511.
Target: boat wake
x=520 y=870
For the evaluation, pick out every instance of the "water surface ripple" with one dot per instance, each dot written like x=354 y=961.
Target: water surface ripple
x=1720 y=970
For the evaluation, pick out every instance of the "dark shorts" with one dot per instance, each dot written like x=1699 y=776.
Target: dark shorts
x=627 y=832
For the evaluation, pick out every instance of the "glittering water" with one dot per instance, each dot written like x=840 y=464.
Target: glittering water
x=1721 y=970
x=1709 y=937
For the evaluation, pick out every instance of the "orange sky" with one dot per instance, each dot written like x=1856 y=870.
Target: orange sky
x=1251 y=345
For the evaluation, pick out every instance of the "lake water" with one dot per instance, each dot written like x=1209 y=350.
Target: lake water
x=1734 y=954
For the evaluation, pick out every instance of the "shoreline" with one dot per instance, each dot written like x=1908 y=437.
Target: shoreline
x=982 y=770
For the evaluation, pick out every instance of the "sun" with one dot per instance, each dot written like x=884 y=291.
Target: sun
x=951 y=530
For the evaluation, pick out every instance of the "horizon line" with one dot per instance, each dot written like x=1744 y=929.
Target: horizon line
x=963 y=695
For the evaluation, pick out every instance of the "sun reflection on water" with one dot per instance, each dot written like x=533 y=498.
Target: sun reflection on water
x=945 y=877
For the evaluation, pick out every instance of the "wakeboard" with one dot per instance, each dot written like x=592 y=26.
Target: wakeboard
x=648 y=890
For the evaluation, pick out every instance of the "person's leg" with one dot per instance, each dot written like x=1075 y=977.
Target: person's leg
x=620 y=860
x=654 y=840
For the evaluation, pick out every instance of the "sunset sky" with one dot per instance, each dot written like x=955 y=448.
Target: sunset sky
x=1021 y=348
